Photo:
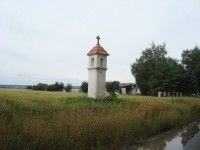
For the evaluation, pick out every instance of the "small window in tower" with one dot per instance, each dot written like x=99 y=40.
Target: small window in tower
x=101 y=62
x=92 y=62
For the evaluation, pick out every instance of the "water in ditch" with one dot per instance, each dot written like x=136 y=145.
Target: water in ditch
x=186 y=138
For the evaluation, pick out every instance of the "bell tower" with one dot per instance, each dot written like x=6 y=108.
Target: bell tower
x=97 y=71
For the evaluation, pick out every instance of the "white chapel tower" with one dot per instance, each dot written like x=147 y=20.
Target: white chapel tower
x=97 y=71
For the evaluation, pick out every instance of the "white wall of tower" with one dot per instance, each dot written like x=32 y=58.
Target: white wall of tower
x=97 y=76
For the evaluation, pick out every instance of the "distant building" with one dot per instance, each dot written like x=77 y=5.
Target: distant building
x=128 y=88
x=76 y=89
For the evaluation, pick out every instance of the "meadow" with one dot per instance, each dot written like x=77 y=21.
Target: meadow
x=60 y=120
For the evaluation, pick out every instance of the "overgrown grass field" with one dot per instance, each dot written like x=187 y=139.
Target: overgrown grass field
x=60 y=120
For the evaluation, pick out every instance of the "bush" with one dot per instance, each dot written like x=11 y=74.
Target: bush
x=29 y=87
x=112 y=88
x=40 y=87
x=55 y=87
x=68 y=88
x=84 y=87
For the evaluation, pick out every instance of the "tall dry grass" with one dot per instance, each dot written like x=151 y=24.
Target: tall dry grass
x=51 y=120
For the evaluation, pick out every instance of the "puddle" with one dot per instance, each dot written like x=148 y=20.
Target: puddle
x=186 y=138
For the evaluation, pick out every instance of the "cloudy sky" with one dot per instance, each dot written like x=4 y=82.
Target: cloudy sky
x=48 y=40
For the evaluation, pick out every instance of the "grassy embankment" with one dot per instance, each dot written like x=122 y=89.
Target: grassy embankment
x=58 y=120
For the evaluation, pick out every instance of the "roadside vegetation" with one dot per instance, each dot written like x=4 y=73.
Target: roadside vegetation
x=60 y=120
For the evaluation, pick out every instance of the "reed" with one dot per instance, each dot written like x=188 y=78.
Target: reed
x=59 y=120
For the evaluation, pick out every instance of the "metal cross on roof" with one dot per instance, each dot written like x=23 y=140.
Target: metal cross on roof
x=98 y=38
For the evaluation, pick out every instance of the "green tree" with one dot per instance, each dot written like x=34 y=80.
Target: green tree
x=145 y=66
x=155 y=72
x=40 y=87
x=84 y=87
x=29 y=87
x=113 y=87
x=191 y=63
x=68 y=87
x=166 y=76
x=56 y=87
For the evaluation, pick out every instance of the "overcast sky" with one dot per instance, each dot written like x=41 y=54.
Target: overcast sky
x=48 y=40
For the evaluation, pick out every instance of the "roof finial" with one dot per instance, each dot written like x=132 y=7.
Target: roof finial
x=98 y=38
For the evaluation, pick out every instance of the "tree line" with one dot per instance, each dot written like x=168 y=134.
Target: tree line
x=111 y=87
x=154 y=71
x=58 y=87
x=51 y=87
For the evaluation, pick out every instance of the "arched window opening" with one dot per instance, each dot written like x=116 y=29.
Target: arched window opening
x=101 y=62
x=92 y=62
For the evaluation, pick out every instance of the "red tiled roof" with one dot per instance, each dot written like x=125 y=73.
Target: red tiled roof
x=98 y=50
